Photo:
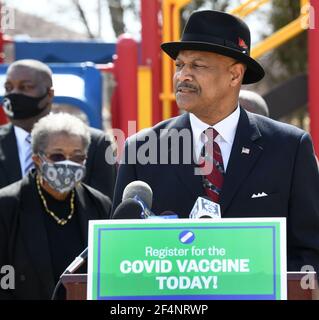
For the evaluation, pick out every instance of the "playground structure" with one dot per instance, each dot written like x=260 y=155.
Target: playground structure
x=143 y=74
x=85 y=93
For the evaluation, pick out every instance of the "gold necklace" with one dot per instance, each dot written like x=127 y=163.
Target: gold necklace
x=59 y=221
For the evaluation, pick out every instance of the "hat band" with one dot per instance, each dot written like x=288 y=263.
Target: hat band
x=195 y=37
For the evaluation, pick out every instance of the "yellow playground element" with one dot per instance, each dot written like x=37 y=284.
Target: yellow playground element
x=171 y=32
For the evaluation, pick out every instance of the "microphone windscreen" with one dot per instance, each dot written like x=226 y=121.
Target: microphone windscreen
x=168 y=213
x=140 y=189
x=164 y=215
x=128 y=209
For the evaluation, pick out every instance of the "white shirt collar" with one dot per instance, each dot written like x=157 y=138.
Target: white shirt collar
x=198 y=127
x=226 y=128
x=20 y=133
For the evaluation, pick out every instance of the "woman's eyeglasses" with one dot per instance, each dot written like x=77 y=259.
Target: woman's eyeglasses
x=56 y=157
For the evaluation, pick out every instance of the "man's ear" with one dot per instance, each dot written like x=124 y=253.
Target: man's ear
x=51 y=93
x=237 y=72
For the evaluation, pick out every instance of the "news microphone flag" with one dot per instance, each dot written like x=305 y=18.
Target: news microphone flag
x=204 y=208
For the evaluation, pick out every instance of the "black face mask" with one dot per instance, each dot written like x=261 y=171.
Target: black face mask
x=20 y=106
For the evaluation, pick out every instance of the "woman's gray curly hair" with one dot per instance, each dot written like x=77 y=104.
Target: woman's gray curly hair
x=57 y=123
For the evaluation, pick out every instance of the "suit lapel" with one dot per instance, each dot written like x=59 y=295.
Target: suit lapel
x=9 y=156
x=186 y=172
x=34 y=232
x=193 y=183
x=241 y=160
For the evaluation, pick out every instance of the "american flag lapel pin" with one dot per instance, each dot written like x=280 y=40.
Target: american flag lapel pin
x=245 y=150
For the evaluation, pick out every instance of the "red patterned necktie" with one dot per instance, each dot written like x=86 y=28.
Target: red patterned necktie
x=212 y=158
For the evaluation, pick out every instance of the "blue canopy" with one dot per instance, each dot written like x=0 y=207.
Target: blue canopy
x=78 y=84
x=65 y=51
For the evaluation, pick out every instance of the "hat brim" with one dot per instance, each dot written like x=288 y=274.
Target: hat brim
x=254 y=71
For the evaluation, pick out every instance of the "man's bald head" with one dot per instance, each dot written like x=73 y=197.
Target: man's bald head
x=27 y=81
x=253 y=102
x=42 y=73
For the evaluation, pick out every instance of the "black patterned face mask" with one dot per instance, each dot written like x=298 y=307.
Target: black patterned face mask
x=21 y=106
x=62 y=176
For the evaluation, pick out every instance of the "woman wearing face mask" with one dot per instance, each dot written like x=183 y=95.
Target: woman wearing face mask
x=44 y=217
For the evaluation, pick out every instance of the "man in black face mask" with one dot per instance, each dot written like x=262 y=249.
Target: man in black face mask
x=28 y=97
x=29 y=93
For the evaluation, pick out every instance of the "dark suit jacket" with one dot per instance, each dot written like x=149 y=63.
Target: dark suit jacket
x=23 y=238
x=280 y=163
x=99 y=174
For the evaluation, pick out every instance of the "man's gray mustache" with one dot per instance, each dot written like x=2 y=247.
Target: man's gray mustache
x=185 y=85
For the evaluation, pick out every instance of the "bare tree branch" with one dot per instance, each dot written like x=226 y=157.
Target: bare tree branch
x=83 y=17
x=117 y=16
x=220 y=5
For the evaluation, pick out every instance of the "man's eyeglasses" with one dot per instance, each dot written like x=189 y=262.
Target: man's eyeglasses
x=56 y=157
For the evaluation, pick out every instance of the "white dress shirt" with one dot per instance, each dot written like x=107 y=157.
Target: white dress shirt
x=23 y=147
x=226 y=129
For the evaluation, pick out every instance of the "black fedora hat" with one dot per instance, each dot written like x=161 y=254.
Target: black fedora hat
x=221 y=33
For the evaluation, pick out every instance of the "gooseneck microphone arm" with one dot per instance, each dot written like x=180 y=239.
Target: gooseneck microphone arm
x=75 y=265
x=77 y=262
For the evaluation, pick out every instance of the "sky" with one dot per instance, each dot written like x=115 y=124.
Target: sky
x=62 y=12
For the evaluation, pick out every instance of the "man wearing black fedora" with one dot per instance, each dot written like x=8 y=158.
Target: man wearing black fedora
x=259 y=167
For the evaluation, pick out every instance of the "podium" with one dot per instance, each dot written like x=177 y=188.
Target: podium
x=75 y=285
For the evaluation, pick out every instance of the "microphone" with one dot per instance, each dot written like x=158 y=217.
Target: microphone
x=165 y=215
x=136 y=203
x=141 y=189
x=71 y=268
x=132 y=209
x=128 y=209
x=205 y=208
x=142 y=193
x=76 y=263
